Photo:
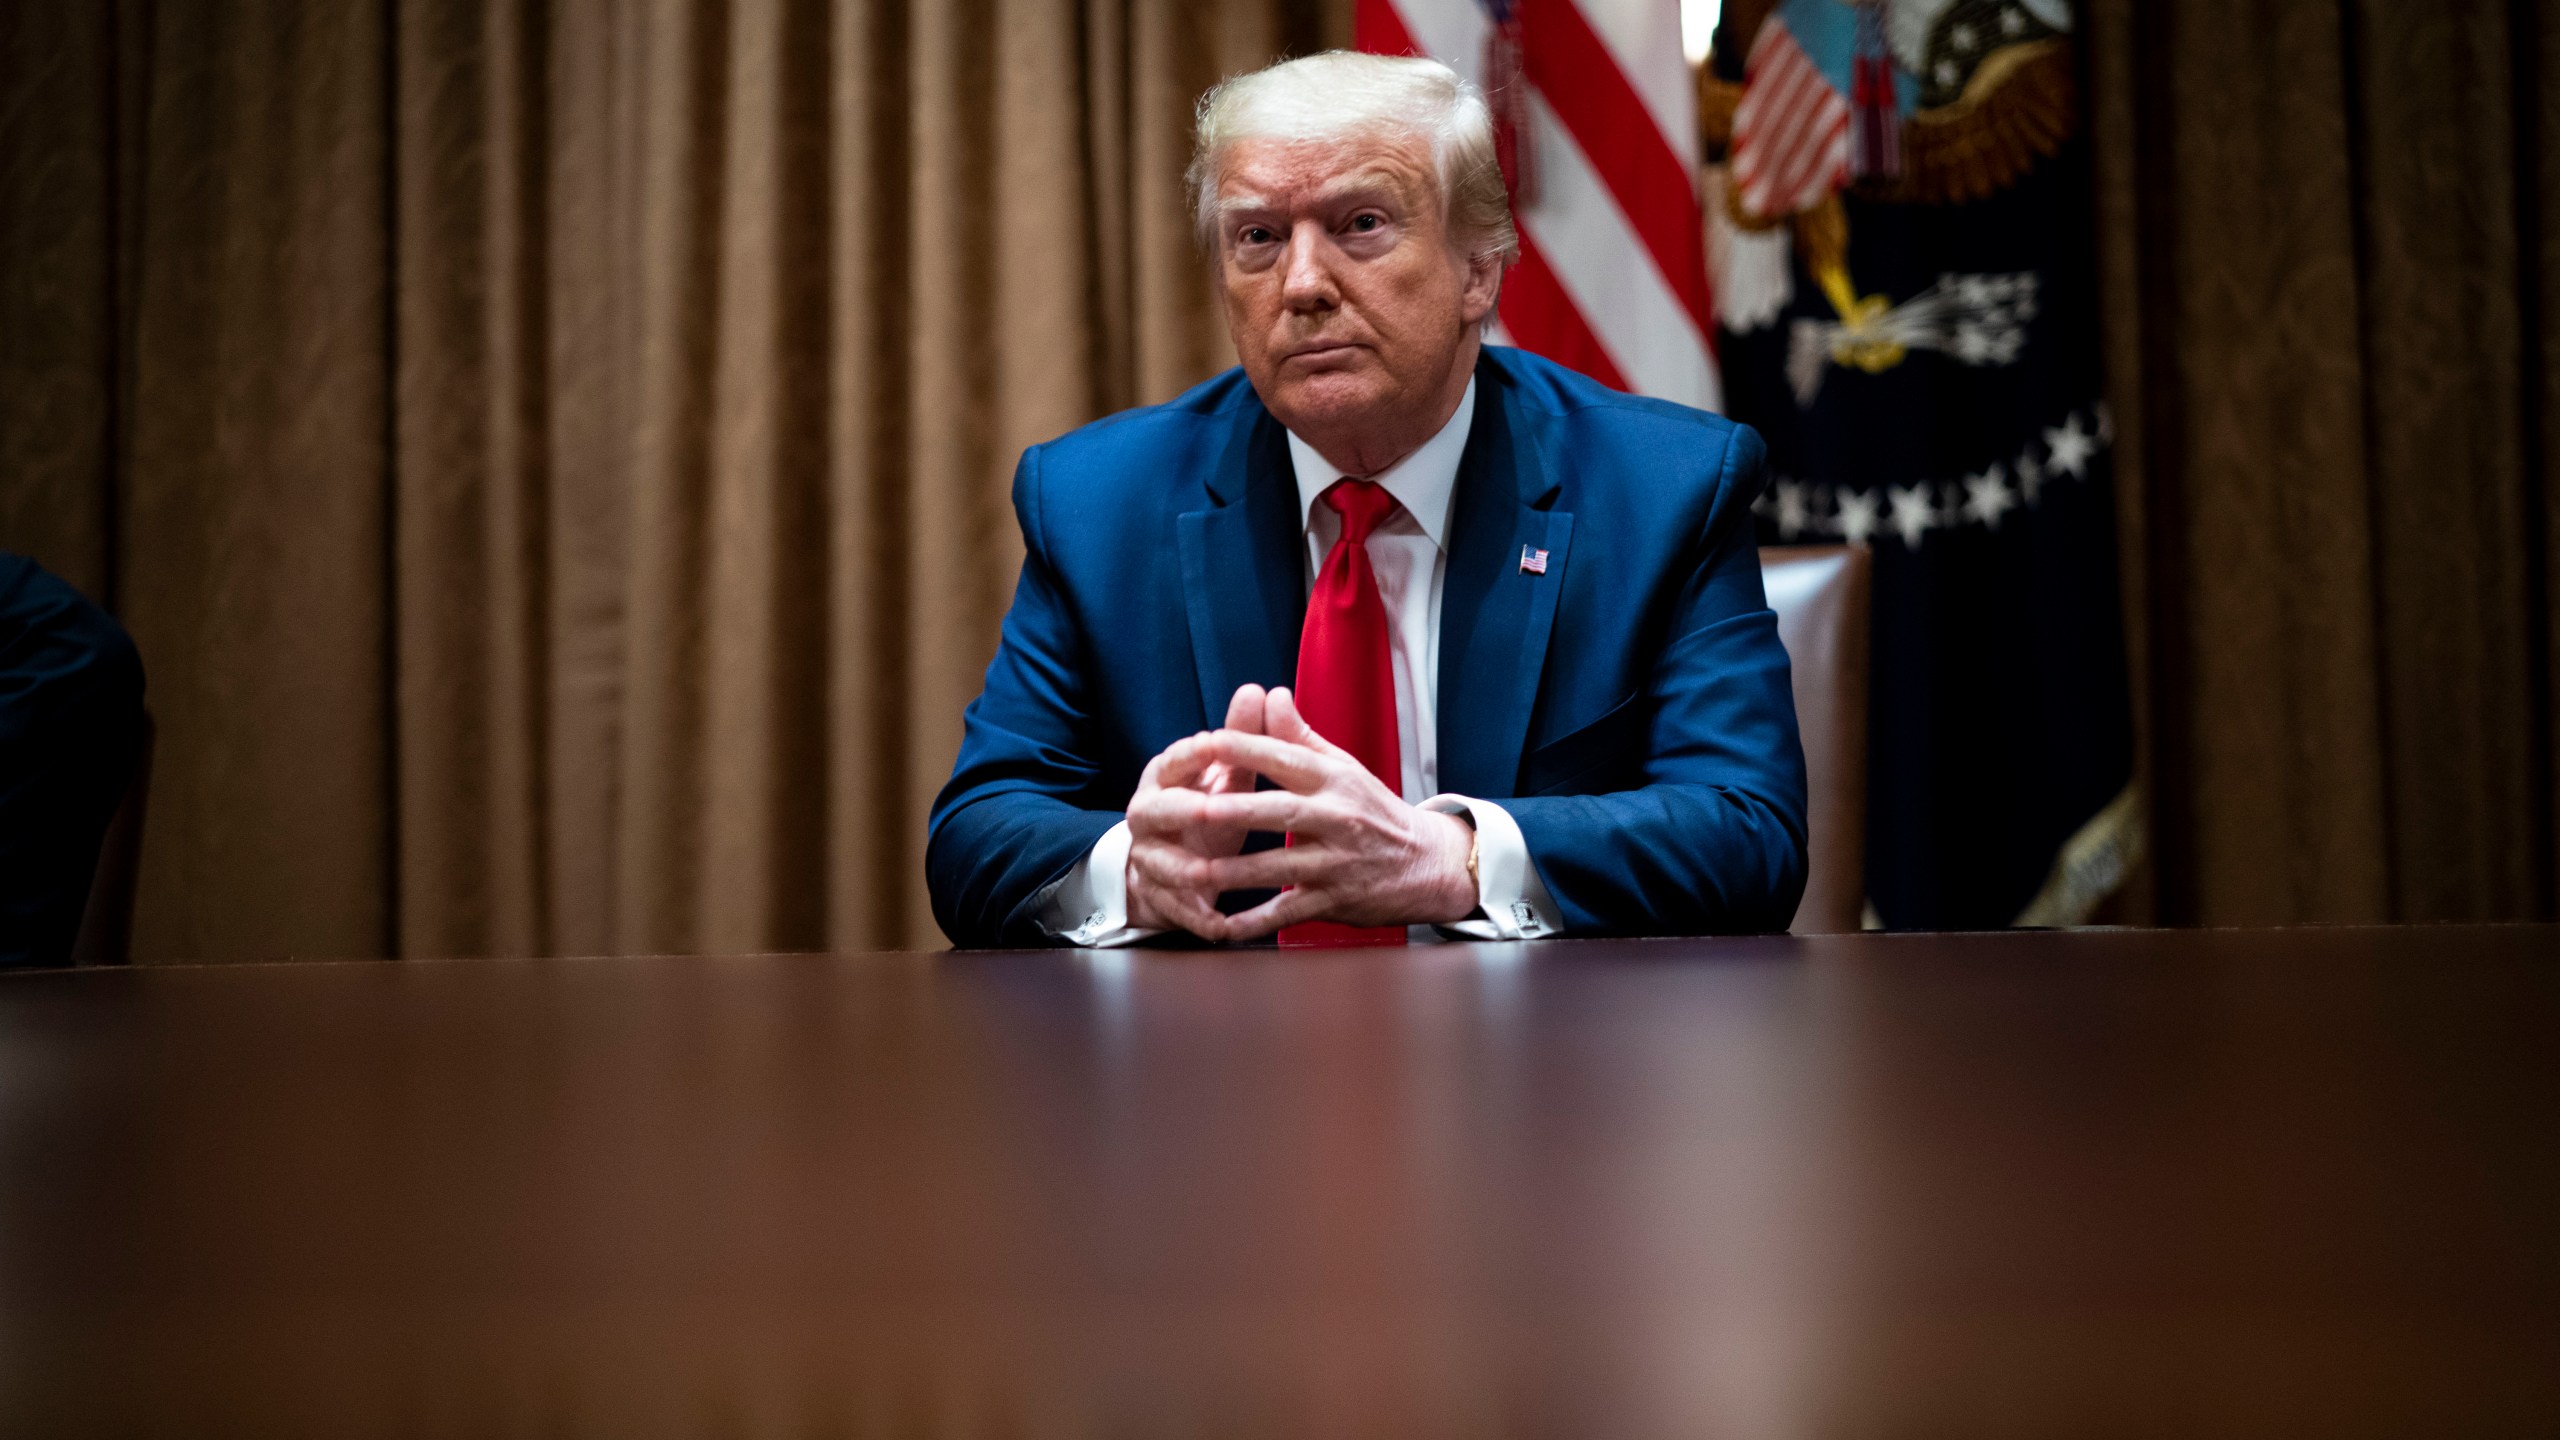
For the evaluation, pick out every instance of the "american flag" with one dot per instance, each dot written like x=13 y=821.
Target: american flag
x=1532 y=562
x=1612 y=278
x=1790 y=129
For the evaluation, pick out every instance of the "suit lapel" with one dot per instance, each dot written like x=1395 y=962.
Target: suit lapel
x=1243 y=580
x=1495 y=617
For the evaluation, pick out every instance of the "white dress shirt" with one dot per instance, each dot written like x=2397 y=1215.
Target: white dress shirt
x=1408 y=551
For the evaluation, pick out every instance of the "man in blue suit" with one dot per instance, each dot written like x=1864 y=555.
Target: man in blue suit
x=1537 y=689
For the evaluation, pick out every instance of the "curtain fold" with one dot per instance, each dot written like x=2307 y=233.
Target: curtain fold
x=556 y=458
x=2330 y=255
x=252 y=503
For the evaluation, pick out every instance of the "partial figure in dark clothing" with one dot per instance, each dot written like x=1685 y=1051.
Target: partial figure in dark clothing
x=70 y=732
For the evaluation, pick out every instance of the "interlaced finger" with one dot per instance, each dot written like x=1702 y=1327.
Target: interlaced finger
x=1176 y=888
x=1183 y=764
x=1166 y=811
x=1275 y=811
x=1273 y=868
x=1289 y=907
x=1293 y=767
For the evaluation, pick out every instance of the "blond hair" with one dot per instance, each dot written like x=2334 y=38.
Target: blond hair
x=1342 y=93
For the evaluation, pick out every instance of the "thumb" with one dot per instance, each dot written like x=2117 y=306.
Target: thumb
x=1245 y=711
x=1282 y=721
x=1245 y=715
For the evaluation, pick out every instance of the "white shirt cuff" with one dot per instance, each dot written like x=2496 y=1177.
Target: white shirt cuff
x=1512 y=902
x=1089 y=905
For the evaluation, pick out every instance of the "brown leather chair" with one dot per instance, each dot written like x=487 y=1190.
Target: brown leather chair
x=106 y=923
x=1820 y=594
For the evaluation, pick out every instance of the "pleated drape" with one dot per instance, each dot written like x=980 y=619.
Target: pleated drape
x=2333 y=261
x=194 y=427
x=555 y=458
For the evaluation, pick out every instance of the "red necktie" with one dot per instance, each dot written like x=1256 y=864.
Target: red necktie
x=1346 y=688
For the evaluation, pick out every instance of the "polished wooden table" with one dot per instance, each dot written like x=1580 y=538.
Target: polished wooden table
x=2218 y=1183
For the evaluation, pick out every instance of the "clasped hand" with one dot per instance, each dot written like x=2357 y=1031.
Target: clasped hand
x=1358 y=854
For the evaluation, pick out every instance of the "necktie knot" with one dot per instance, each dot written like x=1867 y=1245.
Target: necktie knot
x=1362 y=504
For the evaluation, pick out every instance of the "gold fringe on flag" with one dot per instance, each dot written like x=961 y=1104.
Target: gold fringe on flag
x=1716 y=99
x=2091 y=864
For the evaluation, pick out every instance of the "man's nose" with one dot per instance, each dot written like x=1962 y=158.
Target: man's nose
x=1307 y=269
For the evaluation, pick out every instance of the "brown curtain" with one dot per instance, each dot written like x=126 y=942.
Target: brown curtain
x=2333 y=261
x=554 y=458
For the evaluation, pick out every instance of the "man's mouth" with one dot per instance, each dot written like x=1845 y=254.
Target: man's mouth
x=1317 y=350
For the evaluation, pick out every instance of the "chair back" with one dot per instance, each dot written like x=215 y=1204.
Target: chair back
x=1820 y=594
x=106 y=924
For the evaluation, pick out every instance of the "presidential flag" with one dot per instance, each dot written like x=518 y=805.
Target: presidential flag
x=1596 y=113
x=1904 y=275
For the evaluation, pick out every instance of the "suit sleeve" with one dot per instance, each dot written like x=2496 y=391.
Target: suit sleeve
x=1012 y=819
x=1714 y=840
x=70 y=731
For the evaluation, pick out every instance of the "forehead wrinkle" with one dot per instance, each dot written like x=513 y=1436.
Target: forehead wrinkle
x=1371 y=176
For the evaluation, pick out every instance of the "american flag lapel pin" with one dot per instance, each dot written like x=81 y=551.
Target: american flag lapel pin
x=1532 y=562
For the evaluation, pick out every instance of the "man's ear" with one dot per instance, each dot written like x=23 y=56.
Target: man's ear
x=1483 y=287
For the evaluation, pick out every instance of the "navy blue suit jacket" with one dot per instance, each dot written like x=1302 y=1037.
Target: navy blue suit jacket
x=1630 y=706
x=70 y=731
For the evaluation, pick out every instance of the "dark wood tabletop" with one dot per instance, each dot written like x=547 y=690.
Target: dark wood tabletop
x=2207 y=1183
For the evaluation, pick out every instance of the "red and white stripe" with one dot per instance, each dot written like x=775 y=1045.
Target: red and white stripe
x=1612 y=278
x=1790 y=129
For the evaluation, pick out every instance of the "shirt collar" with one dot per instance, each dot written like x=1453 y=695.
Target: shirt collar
x=1422 y=482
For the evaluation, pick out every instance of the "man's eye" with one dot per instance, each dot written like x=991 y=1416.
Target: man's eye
x=1256 y=235
x=1365 y=223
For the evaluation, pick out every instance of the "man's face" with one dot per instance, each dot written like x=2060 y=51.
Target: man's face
x=1349 y=307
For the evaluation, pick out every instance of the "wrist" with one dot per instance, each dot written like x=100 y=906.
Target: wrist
x=1456 y=895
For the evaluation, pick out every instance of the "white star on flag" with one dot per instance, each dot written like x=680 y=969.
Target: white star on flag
x=1913 y=513
x=1987 y=497
x=1793 y=517
x=2071 y=447
x=1857 y=515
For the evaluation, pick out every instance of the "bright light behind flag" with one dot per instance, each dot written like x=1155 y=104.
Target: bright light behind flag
x=1698 y=27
